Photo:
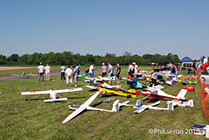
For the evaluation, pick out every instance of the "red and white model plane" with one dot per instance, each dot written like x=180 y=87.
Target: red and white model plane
x=52 y=94
x=156 y=92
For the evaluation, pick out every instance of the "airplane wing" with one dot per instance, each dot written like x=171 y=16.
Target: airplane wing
x=74 y=114
x=153 y=104
x=124 y=103
x=141 y=109
x=82 y=107
x=91 y=87
x=35 y=92
x=49 y=91
x=68 y=90
x=155 y=88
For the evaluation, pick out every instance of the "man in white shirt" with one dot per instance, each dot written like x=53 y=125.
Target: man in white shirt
x=41 y=72
x=104 y=70
x=91 y=72
x=131 y=70
x=136 y=69
x=47 y=71
x=69 y=73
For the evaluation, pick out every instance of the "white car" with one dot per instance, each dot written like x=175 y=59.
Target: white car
x=205 y=76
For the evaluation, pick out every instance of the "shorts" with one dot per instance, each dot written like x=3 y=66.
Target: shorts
x=76 y=79
x=104 y=74
x=118 y=75
x=110 y=74
x=47 y=74
x=69 y=79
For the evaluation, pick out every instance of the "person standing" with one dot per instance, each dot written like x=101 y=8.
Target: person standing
x=41 y=72
x=91 y=72
x=170 y=66
x=79 y=69
x=75 y=74
x=110 y=72
x=136 y=69
x=47 y=71
x=129 y=69
x=132 y=71
x=194 y=66
x=69 y=73
x=62 y=72
x=104 y=70
x=118 y=70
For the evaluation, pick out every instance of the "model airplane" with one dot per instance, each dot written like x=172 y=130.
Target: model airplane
x=186 y=77
x=181 y=103
x=132 y=93
x=100 y=79
x=105 y=85
x=143 y=107
x=52 y=94
x=156 y=92
x=171 y=105
x=185 y=82
x=153 y=64
x=85 y=106
x=135 y=84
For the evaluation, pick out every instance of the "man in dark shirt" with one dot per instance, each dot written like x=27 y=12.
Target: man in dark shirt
x=118 y=70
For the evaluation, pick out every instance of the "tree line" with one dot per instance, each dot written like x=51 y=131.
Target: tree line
x=68 y=58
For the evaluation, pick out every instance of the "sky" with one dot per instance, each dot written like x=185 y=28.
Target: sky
x=105 y=26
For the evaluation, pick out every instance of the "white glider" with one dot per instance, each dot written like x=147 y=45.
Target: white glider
x=52 y=94
x=85 y=106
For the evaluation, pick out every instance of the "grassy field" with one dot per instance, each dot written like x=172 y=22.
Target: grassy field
x=28 y=117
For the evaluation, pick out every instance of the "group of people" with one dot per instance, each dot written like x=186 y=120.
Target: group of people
x=105 y=72
x=173 y=68
x=70 y=73
x=73 y=72
x=42 y=70
x=133 y=70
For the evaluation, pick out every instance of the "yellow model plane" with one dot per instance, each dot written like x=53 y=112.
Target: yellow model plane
x=131 y=93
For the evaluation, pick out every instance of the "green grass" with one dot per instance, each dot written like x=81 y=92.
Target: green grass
x=28 y=117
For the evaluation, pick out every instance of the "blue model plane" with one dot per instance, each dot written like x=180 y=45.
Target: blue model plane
x=135 y=84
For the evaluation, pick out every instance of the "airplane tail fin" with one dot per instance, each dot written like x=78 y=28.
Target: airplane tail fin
x=170 y=105
x=138 y=102
x=116 y=107
x=181 y=93
x=190 y=103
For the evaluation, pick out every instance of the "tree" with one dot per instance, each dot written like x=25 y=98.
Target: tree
x=14 y=57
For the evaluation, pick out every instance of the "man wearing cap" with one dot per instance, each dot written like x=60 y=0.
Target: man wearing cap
x=69 y=73
x=91 y=72
x=47 y=71
x=104 y=70
x=41 y=72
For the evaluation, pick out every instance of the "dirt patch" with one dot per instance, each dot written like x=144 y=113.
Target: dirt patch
x=14 y=68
